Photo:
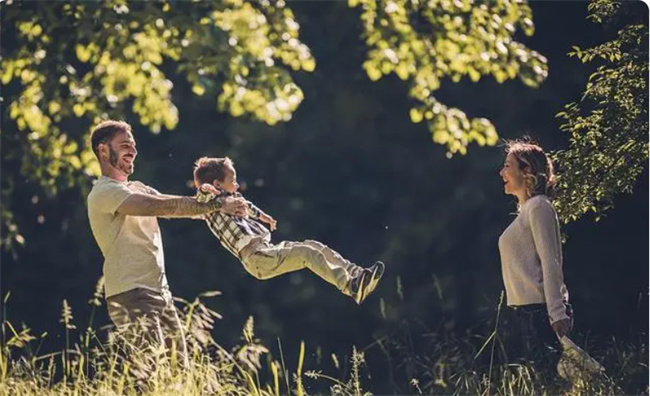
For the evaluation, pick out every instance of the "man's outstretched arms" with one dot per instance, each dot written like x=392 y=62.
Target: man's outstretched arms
x=177 y=206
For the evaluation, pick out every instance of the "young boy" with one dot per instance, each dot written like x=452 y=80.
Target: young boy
x=248 y=240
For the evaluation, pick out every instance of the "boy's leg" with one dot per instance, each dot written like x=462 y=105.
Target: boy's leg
x=333 y=256
x=268 y=261
x=374 y=273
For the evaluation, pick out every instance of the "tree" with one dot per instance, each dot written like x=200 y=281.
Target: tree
x=96 y=60
x=88 y=61
x=608 y=127
x=424 y=42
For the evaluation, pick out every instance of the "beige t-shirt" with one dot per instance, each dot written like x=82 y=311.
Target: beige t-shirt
x=131 y=245
x=531 y=258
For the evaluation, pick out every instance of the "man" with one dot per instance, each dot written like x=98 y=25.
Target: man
x=123 y=217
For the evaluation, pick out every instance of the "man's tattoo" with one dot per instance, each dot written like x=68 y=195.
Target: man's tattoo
x=188 y=207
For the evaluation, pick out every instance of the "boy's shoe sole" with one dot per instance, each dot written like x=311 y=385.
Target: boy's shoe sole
x=375 y=272
x=359 y=293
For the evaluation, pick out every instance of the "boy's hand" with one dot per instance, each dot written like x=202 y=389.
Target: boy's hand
x=206 y=193
x=209 y=188
x=269 y=220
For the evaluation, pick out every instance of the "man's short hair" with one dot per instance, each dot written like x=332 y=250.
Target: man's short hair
x=105 y=131
x=207 y=170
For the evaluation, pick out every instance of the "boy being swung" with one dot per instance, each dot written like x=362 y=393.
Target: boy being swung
x=248 y=240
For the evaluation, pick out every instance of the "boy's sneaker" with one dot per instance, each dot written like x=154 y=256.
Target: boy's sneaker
x=366 y=281
x=377 y=271
x=359 y=284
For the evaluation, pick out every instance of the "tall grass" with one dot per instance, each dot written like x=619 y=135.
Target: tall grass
x=444 y=363
x=420 y=362
x=121 y=364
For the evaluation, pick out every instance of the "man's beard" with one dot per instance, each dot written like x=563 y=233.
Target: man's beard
x=113 y=160
x=112 y=157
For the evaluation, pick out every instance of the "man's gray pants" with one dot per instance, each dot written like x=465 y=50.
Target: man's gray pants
x=157 y=314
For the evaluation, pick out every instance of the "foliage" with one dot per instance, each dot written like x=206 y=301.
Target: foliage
x=425 y=41
x=72 y=61
x=75 y=60
x=349 y=170
x=608 y=127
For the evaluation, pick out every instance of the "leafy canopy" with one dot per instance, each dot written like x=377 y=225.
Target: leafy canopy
x=98 y=60
x=86 y=61
x=608 y=126
x=425 y=42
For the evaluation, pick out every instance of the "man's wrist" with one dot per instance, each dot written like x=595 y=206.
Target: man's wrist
x=217 y=203
x=204 y=196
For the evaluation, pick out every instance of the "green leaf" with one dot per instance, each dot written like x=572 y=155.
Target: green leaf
x=416 y=115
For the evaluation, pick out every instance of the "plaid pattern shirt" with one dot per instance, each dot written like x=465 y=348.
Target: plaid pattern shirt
x=234 y=232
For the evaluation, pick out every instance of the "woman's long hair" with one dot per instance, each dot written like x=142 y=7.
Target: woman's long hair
x=536 y=166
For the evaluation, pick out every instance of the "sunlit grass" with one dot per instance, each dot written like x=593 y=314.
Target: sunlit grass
x=90 y=365
x=120 y=366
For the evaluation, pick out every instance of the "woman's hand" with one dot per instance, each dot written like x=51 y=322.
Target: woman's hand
x=562 y=327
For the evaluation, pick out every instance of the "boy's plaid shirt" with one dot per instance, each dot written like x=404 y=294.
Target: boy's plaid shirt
x=234 y=232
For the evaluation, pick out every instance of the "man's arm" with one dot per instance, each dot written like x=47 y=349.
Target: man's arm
x=194 y=217
x=155 y=192
x=177 y=206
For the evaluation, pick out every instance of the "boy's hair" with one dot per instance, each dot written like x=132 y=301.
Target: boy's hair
x=105 y=131
x=207 y=170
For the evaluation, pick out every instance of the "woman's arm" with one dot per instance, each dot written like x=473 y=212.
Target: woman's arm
x=545 y=228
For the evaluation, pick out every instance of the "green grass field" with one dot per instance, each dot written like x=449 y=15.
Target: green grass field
x=117 y=366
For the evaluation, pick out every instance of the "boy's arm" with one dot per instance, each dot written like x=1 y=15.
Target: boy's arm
x=256 y=213
x=253 y=211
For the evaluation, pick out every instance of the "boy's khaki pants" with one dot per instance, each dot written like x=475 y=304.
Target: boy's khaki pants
x=264 y=260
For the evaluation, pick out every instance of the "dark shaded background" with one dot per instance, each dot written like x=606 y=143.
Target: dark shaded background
x=352 y=171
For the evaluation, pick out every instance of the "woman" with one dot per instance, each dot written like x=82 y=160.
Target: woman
x=531 y=258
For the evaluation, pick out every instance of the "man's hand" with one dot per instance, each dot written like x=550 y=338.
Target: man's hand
x=562 y=327
x=233 y=206
x=269 y=220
